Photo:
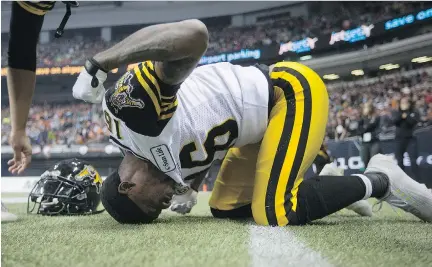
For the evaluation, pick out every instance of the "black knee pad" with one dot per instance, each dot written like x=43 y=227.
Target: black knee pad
x=243 y=212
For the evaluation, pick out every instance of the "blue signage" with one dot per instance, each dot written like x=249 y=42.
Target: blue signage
x=304 y=45
x=232 y=56
x=408 y=19
x=424 y=14
x=353 y=35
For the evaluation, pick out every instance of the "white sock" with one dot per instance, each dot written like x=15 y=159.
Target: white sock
x=367 y=184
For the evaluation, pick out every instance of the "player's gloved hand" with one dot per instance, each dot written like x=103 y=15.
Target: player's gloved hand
x=89 y=85
x=183 y=203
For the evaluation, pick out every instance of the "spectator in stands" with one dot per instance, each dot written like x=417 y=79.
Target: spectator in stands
x=369 y=130
x=61 y=125
x=340 y=130
x=406 y=119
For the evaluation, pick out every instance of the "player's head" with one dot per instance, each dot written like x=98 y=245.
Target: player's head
x=137 y=192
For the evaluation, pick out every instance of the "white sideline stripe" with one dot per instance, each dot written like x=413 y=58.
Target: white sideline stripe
x=14 y=200
x=278 y=246
x=20 y=184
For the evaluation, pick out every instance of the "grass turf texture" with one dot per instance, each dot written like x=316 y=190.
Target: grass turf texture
x=344 y=239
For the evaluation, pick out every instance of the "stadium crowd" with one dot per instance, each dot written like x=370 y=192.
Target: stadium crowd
x=83 y=123
x=384 y=93
x=61 y=124
x=274 y=29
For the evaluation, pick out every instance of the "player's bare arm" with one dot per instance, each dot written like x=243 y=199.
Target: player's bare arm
x=25 y=26
x=176 y=48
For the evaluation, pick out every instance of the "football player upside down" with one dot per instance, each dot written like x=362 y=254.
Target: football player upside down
x=172 y=120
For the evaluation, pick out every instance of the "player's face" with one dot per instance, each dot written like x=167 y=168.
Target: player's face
x=152 y=191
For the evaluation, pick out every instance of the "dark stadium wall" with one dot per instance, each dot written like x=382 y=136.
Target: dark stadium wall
x=53 y=88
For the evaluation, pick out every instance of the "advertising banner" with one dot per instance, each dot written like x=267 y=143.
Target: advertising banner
x=253 y=54
x=354 y=35
x=347 y=156
x=408 y=19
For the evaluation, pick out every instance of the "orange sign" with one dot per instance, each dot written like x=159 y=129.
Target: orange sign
x=67 y=70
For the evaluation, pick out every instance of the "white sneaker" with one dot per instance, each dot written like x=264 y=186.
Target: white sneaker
x=6 y=216
x=361 y=207
x=332 y=170
x=404 y=192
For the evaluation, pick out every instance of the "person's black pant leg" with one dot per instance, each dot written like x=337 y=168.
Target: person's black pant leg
x=413 y=154
x=374 y=149
x=365 y=153
x=401 y=148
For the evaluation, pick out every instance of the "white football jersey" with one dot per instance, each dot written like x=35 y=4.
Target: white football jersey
x=183 y=129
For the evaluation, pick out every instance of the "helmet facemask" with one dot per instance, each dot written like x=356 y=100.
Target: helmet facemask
x=56 y=195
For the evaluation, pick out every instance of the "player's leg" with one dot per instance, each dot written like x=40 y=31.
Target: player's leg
x=289 y=146
x=361 y=207
x=232 y=192
x=292 y=140
x=383 y=179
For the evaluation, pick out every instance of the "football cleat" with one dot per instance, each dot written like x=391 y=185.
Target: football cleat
x=361 y=207
x=6 y=216
x=404 y=192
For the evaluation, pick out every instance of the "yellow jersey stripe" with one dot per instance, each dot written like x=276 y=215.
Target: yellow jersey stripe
x=170 y=106
x=165 y=104
x=167 y=116
x=169 y=89
x=152 y=80
x=168 y=97
x=32 y=9
x=150 y=65
x=147 y=88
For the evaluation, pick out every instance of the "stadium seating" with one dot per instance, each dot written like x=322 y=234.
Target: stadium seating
x=273 y=30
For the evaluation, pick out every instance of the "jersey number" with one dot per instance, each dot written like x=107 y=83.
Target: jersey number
x=109 y=121
x=229 y=127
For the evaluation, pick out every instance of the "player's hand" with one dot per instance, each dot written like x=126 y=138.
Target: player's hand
x=404 y=115
x=22 y=152
x=184 y=203
x=89 y=85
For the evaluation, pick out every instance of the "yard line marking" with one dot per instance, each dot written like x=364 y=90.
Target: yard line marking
x=14 y=200
x=278 y=246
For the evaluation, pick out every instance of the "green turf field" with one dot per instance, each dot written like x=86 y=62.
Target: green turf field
x=344 y=239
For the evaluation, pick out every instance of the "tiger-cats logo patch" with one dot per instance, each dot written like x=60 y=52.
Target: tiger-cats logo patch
x=121 y=97
x=89 y=176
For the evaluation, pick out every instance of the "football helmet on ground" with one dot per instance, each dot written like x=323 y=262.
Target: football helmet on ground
x=70 y=187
